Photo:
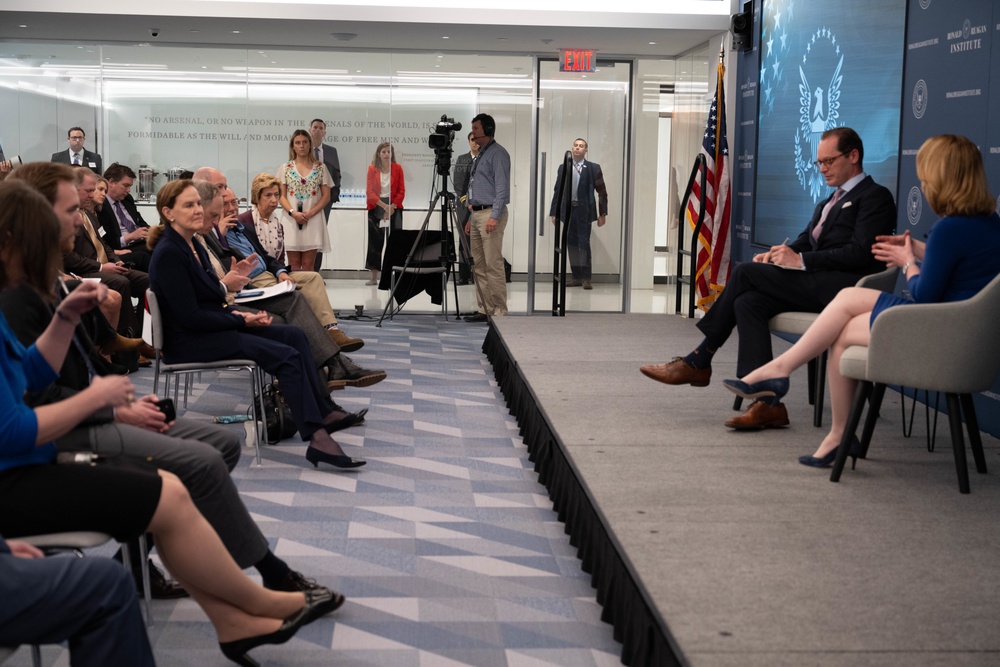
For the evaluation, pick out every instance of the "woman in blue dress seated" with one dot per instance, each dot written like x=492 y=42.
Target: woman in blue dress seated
x=198 y=326
x=961 y=256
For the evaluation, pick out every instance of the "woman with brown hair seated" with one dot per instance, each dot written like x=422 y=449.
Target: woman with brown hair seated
x=39 y=495
x=198 y=326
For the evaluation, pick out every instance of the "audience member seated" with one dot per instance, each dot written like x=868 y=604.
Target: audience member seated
x=124 y=228
x=198 y=327
x=66 y=201
x=89 y=602
x=200 y=454
x=831 y=253
x=39 y=494
x=90 y=257
x=270 y=271
x=961 y=256
x=288 y=308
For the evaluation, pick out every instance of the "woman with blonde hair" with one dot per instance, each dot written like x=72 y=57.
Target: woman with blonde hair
x=265 y=193
x=961 y=256
x=386 y=190
x=305 y=189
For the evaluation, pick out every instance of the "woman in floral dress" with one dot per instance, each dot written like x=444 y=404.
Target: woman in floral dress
x=305 y=189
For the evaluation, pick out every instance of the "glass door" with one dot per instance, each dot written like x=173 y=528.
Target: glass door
x=592 y=107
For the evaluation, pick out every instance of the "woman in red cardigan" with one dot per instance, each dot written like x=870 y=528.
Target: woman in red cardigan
x=385 y=204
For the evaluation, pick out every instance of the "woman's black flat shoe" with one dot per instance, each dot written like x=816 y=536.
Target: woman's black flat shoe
x=237 y=650
x=315 y=456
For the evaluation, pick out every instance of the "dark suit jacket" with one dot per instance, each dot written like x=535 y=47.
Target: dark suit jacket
x=109 y=222
x=591 y=181
x=847 y=236
x=196 y=324
x=332 y=162
x=82 y=259
x=463 y=169
x=89 y=158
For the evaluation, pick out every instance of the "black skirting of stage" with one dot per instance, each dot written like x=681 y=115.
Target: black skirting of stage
x=645 y=640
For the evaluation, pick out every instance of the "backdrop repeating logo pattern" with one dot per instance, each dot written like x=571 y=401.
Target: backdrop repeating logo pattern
x=919 y=100
x=914 y=205
x=819 y=106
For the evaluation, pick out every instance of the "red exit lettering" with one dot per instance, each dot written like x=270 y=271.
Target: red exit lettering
x=577 y=60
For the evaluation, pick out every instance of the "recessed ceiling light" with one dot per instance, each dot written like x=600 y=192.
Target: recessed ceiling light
x=194 y=30
x=445 y=37
x=23 y=25
x=236 y=32
x=652 y=43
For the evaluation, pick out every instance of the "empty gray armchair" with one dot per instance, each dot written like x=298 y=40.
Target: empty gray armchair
x=946 y=347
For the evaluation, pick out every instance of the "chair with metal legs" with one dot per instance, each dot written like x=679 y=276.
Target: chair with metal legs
x=170 y=370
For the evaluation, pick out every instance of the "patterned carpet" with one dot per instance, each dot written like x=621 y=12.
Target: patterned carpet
x=445 y=544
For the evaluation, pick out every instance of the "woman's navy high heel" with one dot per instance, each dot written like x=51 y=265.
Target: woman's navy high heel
x=237 y=650
x=776 y=387
x=831 y=456
x=315 y=456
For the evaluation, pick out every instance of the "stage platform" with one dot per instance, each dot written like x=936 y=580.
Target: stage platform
x=712 y=547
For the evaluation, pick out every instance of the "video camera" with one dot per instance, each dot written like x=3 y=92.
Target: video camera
x=443 y=134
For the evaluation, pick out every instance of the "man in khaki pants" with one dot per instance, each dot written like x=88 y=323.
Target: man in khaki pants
x=489 y=194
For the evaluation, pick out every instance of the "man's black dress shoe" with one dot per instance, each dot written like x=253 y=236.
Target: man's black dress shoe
x=478 y=317
x=160 y=588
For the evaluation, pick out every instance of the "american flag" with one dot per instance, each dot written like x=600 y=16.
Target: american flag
x=713 y=256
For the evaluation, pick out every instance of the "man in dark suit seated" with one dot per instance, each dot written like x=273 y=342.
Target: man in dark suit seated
x=124 y=228
x=77 y=154
x=90 y=602
x=89 y=258
x=833 y=252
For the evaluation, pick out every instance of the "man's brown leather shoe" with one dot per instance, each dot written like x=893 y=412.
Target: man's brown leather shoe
x=678 y=371
x=760 y=415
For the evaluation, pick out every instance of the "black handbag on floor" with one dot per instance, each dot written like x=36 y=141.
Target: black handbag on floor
x=277 y=416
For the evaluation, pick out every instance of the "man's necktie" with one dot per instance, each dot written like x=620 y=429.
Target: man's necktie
x=123 y=218
x=102 y=255
x=76 y=159
x=317 y=154
x=818 y=229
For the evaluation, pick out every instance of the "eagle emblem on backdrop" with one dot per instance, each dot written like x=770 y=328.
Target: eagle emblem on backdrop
x=820 y=79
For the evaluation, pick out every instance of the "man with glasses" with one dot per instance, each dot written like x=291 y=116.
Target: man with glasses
x=124 y=228
x=832 y=252
x=77 y=154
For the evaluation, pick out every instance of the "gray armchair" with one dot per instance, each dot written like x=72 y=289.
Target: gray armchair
x=946 y=347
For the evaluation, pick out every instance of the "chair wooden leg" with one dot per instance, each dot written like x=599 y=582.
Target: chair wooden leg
x=958 y=442
x=874 y=404
x=862 y=394
x=820 y=390
x=975 y=438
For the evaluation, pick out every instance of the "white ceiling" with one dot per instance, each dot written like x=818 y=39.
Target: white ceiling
x=662 y=34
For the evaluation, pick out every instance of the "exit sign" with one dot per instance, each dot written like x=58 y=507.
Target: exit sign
x=577 y=60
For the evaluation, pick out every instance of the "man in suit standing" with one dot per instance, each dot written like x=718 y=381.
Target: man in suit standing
x=77 y=154
x=326 y=154
x=463 y=169
x=587 y=180
x=833 y=252
x=124 y=228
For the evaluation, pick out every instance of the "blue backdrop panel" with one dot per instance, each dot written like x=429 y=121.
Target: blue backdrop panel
x=823 y=65
x=745 y=134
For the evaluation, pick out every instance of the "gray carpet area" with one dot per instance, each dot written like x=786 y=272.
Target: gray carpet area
x=749 y=557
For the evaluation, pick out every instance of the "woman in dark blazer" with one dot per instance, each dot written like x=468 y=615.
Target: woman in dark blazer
x=198 y=326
